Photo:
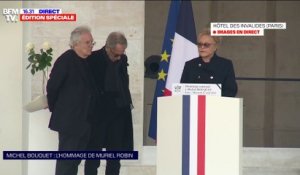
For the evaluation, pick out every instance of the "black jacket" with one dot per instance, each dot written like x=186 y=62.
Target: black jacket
x=99 y=63
x=109 y=106
x=219 y=71
x=70 y=92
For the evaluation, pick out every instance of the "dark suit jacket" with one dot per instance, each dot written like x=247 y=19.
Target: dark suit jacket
x=219 y=70
x=98 y=62
x=70 y=94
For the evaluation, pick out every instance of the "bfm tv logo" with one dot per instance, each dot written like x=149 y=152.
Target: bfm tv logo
x=31 y=14
x=10 y=15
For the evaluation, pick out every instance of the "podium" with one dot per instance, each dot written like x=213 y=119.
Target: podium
x=199 y=135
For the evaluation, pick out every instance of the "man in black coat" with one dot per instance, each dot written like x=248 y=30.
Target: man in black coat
x=209 y=67
x=71 y=94
x=112 y=129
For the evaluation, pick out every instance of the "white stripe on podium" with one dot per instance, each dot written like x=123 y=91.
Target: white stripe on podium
x=193 y=134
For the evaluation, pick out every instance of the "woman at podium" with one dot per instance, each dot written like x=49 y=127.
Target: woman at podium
x=209 y=67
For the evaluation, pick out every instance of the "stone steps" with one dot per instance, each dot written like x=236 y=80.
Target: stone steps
x=271 y=161
x=256 y=161
x=270 y=171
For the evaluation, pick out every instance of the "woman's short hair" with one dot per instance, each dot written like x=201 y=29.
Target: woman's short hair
x=206 y=31
x=76 y=33
x=115 y=38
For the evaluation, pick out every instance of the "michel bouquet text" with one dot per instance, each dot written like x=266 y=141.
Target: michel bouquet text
x=46 y=155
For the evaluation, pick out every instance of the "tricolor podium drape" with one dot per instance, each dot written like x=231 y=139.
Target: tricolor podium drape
x=199 y=135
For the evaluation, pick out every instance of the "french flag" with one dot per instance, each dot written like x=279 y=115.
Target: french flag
x=199 y=135
x=181 y=30
x=184 y=45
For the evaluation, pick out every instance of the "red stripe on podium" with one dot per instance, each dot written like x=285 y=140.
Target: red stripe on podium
x=201 y=135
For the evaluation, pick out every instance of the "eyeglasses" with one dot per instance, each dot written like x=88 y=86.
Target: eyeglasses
x=116 y=53
x=90 y=43
x=205 y=45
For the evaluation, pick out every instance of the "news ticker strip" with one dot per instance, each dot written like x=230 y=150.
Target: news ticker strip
x=7 y=11
x=48 y=155
x=244 y=29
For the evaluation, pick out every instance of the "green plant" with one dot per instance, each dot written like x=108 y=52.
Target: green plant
x=39 y=61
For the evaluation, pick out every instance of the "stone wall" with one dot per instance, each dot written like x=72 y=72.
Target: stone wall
x=102 y=17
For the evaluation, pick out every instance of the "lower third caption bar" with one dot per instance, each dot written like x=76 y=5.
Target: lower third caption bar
x=46 y=155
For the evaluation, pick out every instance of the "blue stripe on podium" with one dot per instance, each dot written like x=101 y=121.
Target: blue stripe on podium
x=186 y=135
